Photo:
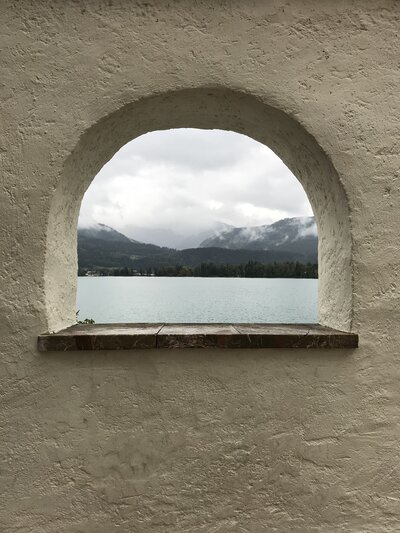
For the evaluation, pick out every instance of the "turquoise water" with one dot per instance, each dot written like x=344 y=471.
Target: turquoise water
x=152 y=299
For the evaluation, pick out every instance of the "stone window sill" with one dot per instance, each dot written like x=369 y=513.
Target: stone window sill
x=139 y=336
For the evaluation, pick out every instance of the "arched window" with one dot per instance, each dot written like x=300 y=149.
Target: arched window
x=206 y=109
x=213 y=206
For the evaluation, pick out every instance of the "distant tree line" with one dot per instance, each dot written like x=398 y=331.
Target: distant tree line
x=251 y=269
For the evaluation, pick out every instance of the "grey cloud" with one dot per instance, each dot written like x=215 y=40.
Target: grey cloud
x=191 y=148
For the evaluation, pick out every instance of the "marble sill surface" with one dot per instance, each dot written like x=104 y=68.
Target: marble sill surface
x=171 y=336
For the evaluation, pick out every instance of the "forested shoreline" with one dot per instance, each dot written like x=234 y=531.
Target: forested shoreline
x=251 y=269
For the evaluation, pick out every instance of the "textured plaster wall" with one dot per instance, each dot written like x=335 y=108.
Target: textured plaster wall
x=208 y=441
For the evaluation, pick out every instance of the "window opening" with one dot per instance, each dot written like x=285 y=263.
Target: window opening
x=191 y=225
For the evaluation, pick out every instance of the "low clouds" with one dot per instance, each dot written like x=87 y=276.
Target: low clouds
x=168 y=185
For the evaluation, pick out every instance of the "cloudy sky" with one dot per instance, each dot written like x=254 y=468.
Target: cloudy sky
x=167 y=186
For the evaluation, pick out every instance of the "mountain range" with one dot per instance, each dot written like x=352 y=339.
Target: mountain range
x=290 y=239
x=298 y=235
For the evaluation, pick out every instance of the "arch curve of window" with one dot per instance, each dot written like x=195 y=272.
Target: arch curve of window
x=208 y=109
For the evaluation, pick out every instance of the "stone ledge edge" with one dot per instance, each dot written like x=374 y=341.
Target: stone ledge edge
x=88 y=338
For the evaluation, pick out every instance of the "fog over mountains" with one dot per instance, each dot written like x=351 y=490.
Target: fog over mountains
x=289 y=234
x=290 y=239
x=164 y=236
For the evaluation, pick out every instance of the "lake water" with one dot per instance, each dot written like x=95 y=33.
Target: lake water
x=153 y=299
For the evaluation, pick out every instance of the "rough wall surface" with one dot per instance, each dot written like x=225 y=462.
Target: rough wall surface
x=200 y=440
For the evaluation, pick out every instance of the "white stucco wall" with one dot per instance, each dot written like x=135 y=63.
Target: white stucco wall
x=200 y=440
